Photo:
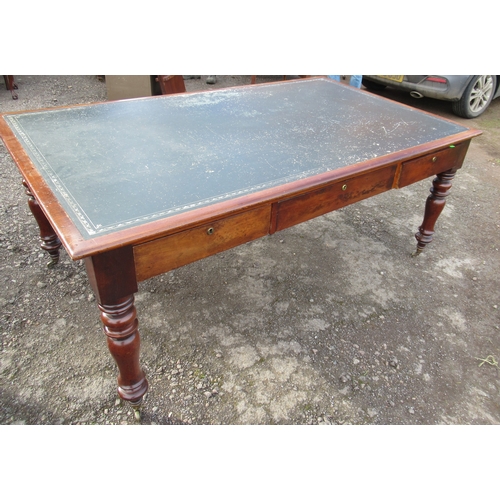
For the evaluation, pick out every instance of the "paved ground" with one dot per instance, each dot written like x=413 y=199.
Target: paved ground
x=329 y=322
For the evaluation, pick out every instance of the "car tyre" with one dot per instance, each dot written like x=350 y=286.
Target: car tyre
x=476 y=97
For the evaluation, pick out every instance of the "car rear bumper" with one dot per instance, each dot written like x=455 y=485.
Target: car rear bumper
x=452 y=90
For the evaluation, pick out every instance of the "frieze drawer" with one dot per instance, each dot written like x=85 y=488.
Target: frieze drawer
x=333 y=196
x=176 y=250
x=432 y=164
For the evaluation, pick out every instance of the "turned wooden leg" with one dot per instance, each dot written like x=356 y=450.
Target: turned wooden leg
x=436 y=201
x=113 y=279
x=121 y=328
x=11 y=85
x=50 y=242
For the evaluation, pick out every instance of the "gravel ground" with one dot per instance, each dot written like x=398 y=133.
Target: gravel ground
x=329 y=322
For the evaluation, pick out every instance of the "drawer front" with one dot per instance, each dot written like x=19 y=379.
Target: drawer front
x=432 y=164
x=333 y=196
x=176 y=250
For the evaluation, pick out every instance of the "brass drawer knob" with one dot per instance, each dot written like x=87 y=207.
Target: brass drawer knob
x=344 y=187
x=210 y=230
x=434 y=160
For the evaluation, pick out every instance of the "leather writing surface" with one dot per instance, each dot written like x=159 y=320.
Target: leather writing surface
x=119 y=164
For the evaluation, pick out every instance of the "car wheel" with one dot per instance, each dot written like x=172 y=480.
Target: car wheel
x=372 y=85
x=476 y=97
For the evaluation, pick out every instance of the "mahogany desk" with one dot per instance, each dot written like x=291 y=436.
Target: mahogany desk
x=143 y=186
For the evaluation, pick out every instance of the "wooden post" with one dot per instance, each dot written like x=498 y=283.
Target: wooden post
x=436 y=201
x=50 y=241
x=112 y=277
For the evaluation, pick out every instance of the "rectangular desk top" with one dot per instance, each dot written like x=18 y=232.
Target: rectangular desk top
x=120 y=165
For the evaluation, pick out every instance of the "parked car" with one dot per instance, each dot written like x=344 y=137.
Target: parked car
x=470 y=95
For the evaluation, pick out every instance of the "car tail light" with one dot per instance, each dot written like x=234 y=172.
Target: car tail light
x=436 y=79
